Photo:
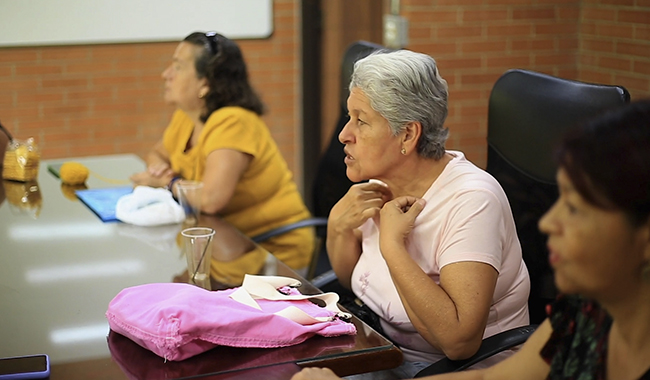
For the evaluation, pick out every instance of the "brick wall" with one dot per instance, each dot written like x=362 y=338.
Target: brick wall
x=101 y=99
x=475 y=41
x=615 y=44
x=104 y=99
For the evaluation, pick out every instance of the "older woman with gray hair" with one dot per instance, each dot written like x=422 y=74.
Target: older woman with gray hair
x=428 y=242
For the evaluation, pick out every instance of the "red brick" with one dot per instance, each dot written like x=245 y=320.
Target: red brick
x=483 y=47
x=615 y=31
x=642 y=67
x=36 y=69
x=436 y=48
x=556 y=28
x=633 y=82
x=459 y=63
x=596 y=76
x=490 y=15
x=65 y=82
x=537 y=44
x=509 y=61
x=85 y=94
x=18 y=84
x=459 y=31
x=88 y=68
x=536 y=13
x=636 y=16
x=20 y=111
x=554 y=59
x=65 y=53
x=77 y=108
x=15 y=55
x=39 y=97
x=518 y=30
x=459 y=2
x=466 y=94
x=479 y=79
x=6 y=71
x=503 y=2
x=603 y=46
x=568 y=44
x=617 y=3
x=114 y=80
x=642 y=32
x=437 y=16
x=637 y=49
x=615 y=63
x=597 y=14
x=568 y=13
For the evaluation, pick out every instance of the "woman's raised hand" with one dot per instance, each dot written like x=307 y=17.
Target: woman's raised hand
x=397 y=218
x=361 y=202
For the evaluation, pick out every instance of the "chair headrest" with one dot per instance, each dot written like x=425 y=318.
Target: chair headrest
x=529 y=112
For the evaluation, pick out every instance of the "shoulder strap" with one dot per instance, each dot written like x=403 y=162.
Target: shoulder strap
x=265 y=287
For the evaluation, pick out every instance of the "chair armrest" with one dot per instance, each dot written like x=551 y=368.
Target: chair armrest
x=317 y=222
x=489 y=347
x=322 y=280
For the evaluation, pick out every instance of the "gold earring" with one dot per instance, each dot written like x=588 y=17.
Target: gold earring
x=403 y=151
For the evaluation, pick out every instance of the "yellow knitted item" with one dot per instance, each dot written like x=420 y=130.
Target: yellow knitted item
x=73 y=173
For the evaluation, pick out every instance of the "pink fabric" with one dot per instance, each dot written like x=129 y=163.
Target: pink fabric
x=178 y=321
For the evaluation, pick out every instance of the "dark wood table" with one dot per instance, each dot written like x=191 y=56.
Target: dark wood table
x=60 y=266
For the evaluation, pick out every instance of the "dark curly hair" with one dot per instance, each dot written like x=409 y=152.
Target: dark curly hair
x=221 y=62
x=608 y=160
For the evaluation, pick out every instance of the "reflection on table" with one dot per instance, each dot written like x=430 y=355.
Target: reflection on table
x=60 y=266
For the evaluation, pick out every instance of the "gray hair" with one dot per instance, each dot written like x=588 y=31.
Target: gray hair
x=404 y=86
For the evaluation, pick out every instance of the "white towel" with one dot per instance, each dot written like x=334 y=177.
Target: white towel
x=148 y=206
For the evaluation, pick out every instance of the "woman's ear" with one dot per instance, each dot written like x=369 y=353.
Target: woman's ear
x=204 y=88
x=411 y=135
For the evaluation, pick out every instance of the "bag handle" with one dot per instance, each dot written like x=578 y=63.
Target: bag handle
x=265 y=287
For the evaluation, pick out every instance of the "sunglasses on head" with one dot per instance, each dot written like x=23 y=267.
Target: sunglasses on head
x=212 y=42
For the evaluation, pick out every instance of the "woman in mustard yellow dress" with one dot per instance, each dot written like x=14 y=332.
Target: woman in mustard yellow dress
x=217 y=136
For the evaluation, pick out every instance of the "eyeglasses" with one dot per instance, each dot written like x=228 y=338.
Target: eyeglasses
x=212 y=42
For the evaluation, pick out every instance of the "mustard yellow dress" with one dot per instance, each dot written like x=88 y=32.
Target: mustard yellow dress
x=266 y=196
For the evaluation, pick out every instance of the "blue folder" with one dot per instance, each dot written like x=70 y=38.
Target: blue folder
x=103 y=201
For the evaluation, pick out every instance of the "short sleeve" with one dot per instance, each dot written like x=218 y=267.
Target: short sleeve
x=233 y=128
x=474 y=230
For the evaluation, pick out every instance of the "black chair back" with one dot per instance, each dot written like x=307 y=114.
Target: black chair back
x=528 y=112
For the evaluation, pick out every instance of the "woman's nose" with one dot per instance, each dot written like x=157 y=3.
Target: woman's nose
x=164 y=73
x=345 y=136
x=547 y=222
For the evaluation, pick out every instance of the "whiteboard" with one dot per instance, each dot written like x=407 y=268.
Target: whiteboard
x=68 y=22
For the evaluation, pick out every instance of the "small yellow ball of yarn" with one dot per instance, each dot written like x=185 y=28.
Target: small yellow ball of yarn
x=73 y=173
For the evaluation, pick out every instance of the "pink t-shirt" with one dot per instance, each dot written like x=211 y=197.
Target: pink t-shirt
x=467 y=218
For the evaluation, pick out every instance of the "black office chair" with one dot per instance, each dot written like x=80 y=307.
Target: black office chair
x=331 y=182
x=528 y=113
x=320 y=225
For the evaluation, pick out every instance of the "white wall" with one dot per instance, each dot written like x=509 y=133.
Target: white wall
x=65 y=22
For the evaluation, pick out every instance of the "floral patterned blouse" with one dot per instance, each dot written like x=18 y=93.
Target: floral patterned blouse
x=577 y=348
